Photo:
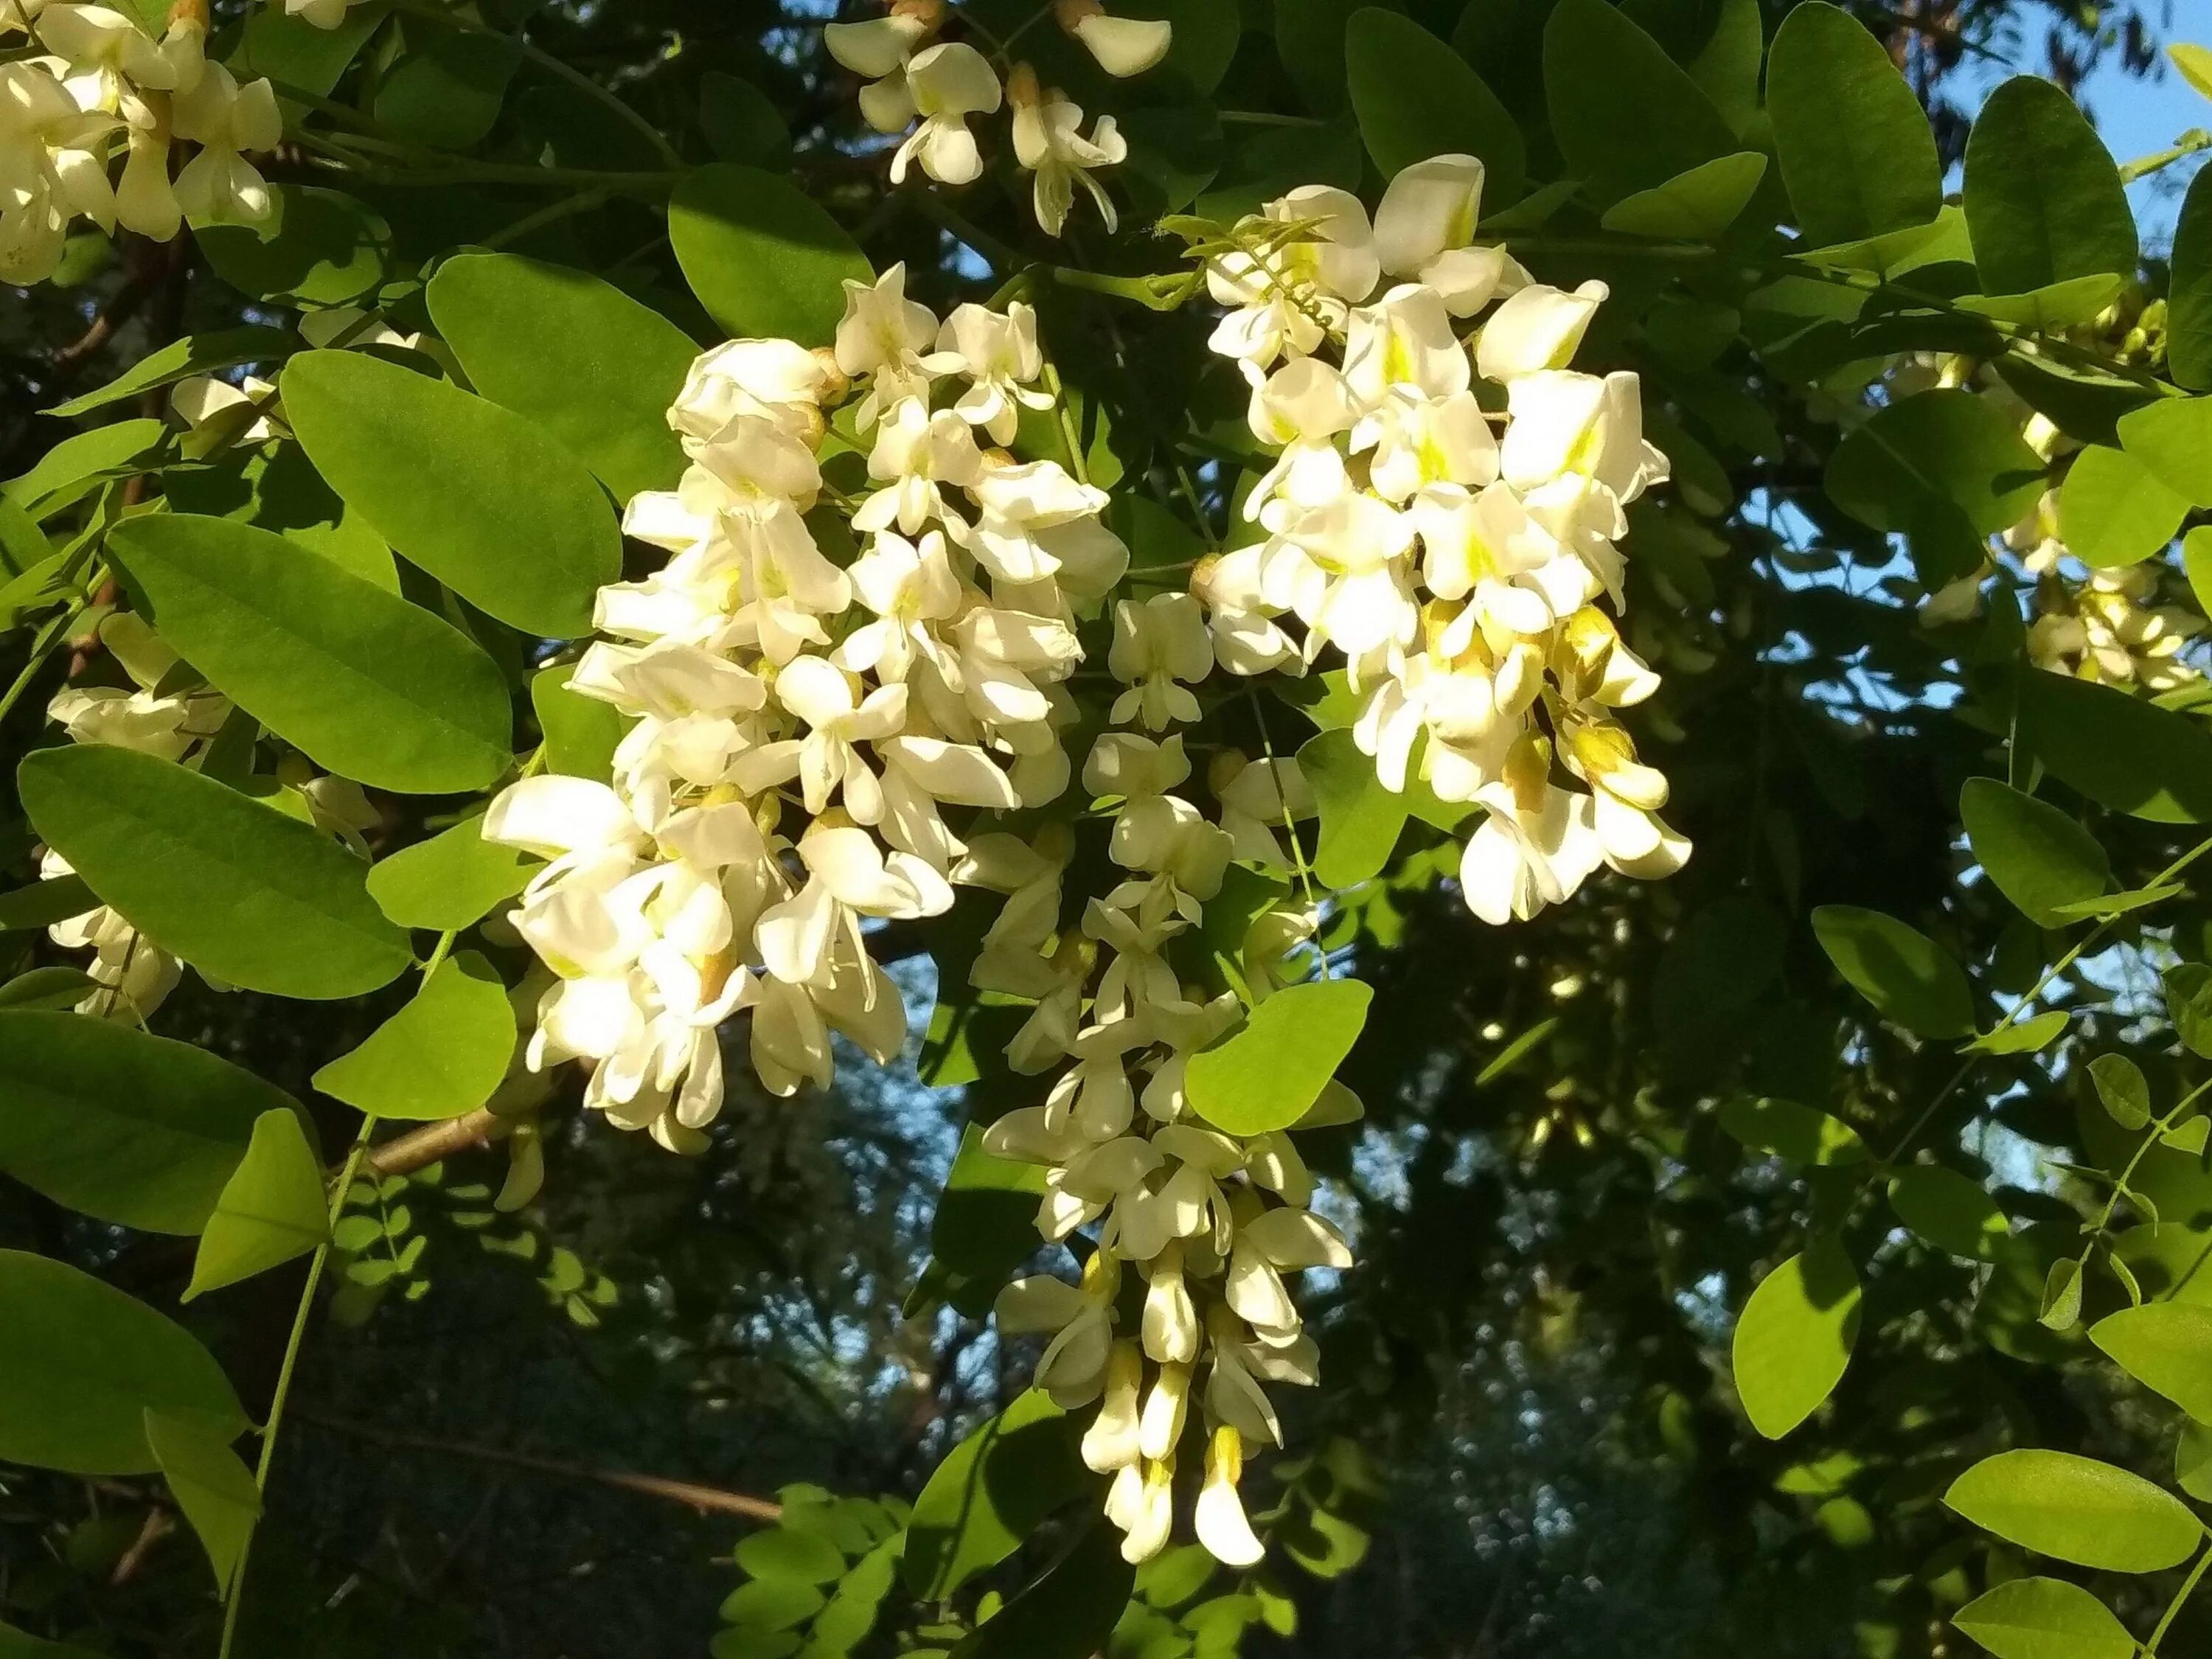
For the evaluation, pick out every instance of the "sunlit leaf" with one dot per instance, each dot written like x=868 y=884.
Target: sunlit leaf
x=271 y=1209
x=1795 y=1337
x=1267 y=1074
x=2077 y=1510
x=441 y=1056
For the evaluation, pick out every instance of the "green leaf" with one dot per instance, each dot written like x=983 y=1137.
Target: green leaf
x=1415 y=98
x=2045 y=1619
x=2195 y=63
x=2189 y=1004
x=772 y=1604
x=1947 y=446
x=1785 y=1129
x=1727 y=66
x=2197 y=561
x=80 y=460
x=764 y=258
x=216 y=1491
x=581 y=733
x=319 y=248
x=452 y=881
x=1274 y=1069
x=2119 y=750
x=1897 y=969
x=1950 y=1211
x=530 y=334
x=489 y=504
x=2076 y=1509
x=1360 y=820
x=986 y=1222
x=786 y=1552
x=2172 y=438
x=297 y=55
x=48 y=989
x=2120 y=1086
x=1068 y=1613
x=2026 y=1036
x=1626 y=116
x=2062 y=304
x=278 y=490
x=2035 y=854
x=1795 y=1337
x=128 y=1128
x=2044 y=201
x=441 y=1056
x=446 y=94
x=2189 y=300
x=2114 y=512
x=244 y=893
x=370 y=687
x=1697 y=206
x=740 y=122
x=272 y=1210
x=82 y=1364
x=1856 y=152
x=2192 y=1460
x=1310 y=39
x=989 y=1494
x=43 y=904
x=2167 y=1347
x=196 y=353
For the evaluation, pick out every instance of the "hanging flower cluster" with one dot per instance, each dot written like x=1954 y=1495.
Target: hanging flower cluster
x=1211 y=1222
x=100 y=87
x=2116 y=627
x=801 y=725
x=1455 y=570
x=933 y=87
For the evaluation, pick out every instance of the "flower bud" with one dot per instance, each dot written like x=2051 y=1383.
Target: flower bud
x=1123 y=46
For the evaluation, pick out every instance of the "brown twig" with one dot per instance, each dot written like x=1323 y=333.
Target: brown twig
x=707 y=1500
x=159 y=1524
x=429 y=1145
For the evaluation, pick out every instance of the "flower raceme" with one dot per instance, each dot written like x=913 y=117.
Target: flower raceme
x=101 y=88
x=1449 y=555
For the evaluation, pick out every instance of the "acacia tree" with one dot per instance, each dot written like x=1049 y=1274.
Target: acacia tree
x=1194 y=576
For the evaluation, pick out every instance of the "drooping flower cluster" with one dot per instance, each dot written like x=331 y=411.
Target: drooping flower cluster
x=935 y=88
x=1209 y=1222
x=1455 y=569
x=801 y=725
x=2117 y=627
x=100 y=88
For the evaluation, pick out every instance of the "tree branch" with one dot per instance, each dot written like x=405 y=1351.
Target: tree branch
x=707 y=1500
x=422 y=1147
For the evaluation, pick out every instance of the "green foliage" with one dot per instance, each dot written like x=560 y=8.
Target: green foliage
x=134 y=1129
x=529 y=334
x=2130 y=756
x=455 y=484
x=2114 y=511
x=363 y=682
x=214 y=1491
x=1855 y=147
x=270 y=1209
x=2044 y=201
x=234 y=887
x=84 y=1364
x=764 y=259
x=990 y=1493
x=1627 y=116
x=1414 y=97
x=2077 y=1510
x=321 y=248
x=1270 y=1073
x=439 y=1056
x=2043 y=1619
x=1795 y=1337
x=1900 y=970
x=2037 y=856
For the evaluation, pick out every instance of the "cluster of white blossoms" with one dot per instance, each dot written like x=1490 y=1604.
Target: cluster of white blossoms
x=1450 y=553
x=1211 y=1222
x=801 y=723
x=935 y=88
x=2115 y=626
x=100 y=87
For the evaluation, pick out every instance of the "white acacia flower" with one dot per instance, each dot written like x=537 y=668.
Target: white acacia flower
x=776 y=380
x=1123 y=47
x=886 y=337
x=1404 y=342
x=916 y=456
x=1424 y=230
x=1048 y=140
x=948 y=84
x=1157 y=644
x=1537 y=328
x=1000 y=355
x=1220 y=1519
x=217 y=414
x=1288 y=295
x=227 y=120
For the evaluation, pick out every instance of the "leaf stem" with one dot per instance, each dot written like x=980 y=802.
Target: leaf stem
x=2181 y=1597
x=284 y=1375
